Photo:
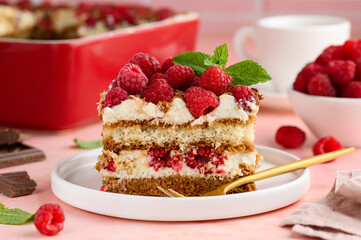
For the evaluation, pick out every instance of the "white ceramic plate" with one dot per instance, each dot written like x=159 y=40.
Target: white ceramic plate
x=272 y=99
x=75 y=182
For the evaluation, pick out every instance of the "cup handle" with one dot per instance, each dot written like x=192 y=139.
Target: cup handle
x=239 y=38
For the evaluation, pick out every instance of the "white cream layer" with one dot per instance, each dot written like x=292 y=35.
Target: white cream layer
x=134 y=164
x=135 y=108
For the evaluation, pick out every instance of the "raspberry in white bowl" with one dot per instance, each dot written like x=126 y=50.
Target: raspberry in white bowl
x=336 y=72
x=326 y=93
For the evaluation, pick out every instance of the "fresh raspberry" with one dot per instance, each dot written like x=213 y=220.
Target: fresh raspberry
x=308 y=72
x=155 y=77
x=84 y=8
x=200 y=101
x=114 y=97
x=46 y=4
x=49 y=219
x=290 y=136
x=167 y=64
x=229 y=78
x=329 y=54
x=341 y=72
x=143 y=11
x=131 y=17
x=132 y=79
x=215 y=80
x=321 y=85
x=352 y=90
x=24 y=5
x=90 y=20
x=164 y=13
x=195 y=82
x=358 y=69
x=325 y=145
x=126 y=14
x=243 y=94
x=179 y=76
x=159 y=91
x=312 y=69
x=301 y=83
x=351 y=50
x=147 y=63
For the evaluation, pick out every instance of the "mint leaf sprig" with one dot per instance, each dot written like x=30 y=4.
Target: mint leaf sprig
x=245 y=73
x=88 y=144
x=14 y=216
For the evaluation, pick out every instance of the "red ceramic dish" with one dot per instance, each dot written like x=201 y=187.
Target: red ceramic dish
x=55 y=84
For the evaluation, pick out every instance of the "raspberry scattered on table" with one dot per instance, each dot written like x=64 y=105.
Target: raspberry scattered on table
x=290 y=136
x=49 y=219
x=325 y=145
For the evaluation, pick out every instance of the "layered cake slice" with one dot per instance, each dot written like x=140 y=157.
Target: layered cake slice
x=165 y=126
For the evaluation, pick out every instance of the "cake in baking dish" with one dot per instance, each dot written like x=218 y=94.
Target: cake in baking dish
x=165 y=126
x=46 y=21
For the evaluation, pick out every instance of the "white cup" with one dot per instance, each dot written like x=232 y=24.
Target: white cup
x=286 y=43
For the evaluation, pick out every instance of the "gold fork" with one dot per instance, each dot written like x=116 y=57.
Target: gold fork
x=275 y=171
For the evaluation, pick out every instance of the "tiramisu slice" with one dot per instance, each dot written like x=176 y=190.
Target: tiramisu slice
x=165 y=126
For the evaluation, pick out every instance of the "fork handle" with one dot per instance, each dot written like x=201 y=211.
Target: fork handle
x=289 y=167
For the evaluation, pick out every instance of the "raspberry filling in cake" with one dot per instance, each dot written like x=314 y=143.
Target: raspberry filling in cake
x=172 y=126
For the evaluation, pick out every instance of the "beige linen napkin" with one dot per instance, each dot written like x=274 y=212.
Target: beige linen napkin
x=337 y=216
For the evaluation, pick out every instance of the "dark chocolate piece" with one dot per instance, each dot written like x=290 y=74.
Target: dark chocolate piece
x=18 y=153
x=16 y=184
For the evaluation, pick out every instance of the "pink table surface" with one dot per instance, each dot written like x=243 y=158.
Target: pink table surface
x=80 y=224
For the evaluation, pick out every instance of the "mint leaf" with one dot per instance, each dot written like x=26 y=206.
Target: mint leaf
x=247 y=73
x=14 y=216
x=220 y=56
x=195 y=60
x=88 y=144
x=209 y=62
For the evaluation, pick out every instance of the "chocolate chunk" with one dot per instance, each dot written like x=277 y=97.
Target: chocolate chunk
x=18 y=153
x=15 y=184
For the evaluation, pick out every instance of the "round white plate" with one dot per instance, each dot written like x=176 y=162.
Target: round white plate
x=272 y=99
x=76 y=182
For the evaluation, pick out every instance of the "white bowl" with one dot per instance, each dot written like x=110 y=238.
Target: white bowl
x=330 y=116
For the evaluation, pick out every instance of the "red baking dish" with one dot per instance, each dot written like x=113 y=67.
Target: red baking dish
x=55 y=84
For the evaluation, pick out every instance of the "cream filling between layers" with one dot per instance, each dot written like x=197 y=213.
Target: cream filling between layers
x=134 y=164
x=135 y=108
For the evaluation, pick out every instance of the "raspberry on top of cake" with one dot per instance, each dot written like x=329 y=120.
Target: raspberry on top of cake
x=186 y=124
